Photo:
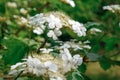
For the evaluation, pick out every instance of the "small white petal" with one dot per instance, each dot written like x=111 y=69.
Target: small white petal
x=51 y=66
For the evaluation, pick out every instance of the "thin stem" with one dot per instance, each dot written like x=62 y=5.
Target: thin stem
x=42 y=45
x=18 y=75
x=19 y=30
x=115 y=54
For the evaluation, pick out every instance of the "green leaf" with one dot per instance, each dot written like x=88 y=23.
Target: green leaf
x=82 y=68
x=85 y=77
x=16 y=50
x=104 y=62
x=74 y=76
x=110 y=43
x=77 y=76
x=71 y=33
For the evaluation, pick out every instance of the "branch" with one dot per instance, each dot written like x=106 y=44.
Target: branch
x=18 y=75
x=19 y=30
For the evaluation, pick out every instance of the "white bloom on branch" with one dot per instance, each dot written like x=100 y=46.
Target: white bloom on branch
x=12 y=4
x=52 y=35
x=66 y=55
x=77 y=60
x=52 y=67
x=112 y=8
x=47 y=65
x=44 y=50
x=75 y=45
x=23 y=11
x=55 y=21
x=38 y=30
x=78 y=28
x=95 y=30
x=71 y=2
x=35 y=66
x=58 y=78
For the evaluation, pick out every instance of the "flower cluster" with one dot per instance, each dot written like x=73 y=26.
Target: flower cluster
x=75 y=45
x=47 y=65
x=54 y=22
x=113 y=8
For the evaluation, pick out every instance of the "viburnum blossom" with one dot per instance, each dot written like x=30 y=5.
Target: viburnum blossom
x=48 y=66
x=75 y=45
x=94 y=30
x=112 y=8
x=54 y=61
x=55 y=21
x=12 y=4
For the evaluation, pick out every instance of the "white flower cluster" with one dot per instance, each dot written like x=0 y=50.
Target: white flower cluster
x=12 y=4
x=76 y=45
x=47 y=65
x=94 y=30
x=54 y=22
x=112 y=8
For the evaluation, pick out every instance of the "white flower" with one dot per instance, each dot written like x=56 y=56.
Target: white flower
x=71 y=2
x=52 y=35
x=37 y=20
x=17 y=68
x=87 y=46
x=23 y=11
x=38 y=30
x=16 y=65
x=65 y=45
x=78 y=28
x=65 y=54
x=12 y=4
x=94 y=30
x=23 y=21
x=58 y=78
x=112 y=8
x=35 y=66
x=54 y=22
x=52 y=67
x=44 y=50
x=57 y=32
x=77 y=60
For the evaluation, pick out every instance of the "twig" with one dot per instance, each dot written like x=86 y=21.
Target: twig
x=19 y=30
x=18 y=75
x=42 y=45
x=115 y=54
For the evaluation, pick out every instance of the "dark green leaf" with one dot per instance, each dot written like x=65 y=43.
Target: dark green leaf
x=82 y=68
x=104 y=62
x=16 y=50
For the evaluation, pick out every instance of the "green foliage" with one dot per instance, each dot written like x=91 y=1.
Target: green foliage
x=15 y=50
x=105 y=62
x=82 y=68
